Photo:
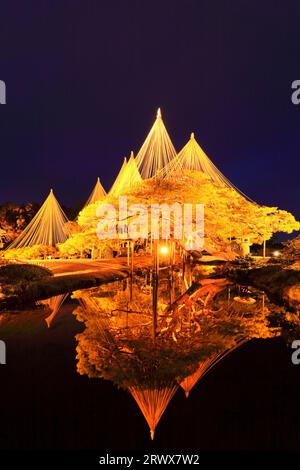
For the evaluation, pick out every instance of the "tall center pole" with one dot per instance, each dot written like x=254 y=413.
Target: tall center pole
x=131 y=269
x=155 y=286
x=51 y=221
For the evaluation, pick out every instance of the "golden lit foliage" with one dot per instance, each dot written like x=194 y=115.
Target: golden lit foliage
x=13 y=218
x=227 y=214
x=83 y=243
x=192 y=157
x=117 y=343
x=31 y=252
x=292 y=248
x=116 y=327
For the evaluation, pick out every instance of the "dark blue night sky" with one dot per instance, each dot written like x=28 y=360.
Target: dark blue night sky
x=84 y=80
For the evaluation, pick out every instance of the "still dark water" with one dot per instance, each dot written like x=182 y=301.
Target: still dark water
x=250 y=400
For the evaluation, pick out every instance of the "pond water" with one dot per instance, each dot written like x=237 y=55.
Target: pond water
x=233 y=362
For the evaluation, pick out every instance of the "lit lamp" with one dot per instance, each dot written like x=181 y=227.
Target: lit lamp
x=276 y=253
x=164 y=250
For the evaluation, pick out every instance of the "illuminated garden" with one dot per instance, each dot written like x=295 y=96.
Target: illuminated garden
x=149 y=233
x=158 y=312
x=158 y=174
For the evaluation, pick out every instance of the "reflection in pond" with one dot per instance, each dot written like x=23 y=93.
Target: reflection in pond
x=150 y=354
x=54 y=304
x=204 y=366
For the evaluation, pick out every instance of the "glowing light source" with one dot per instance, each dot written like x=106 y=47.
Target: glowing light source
x=164 y=250
x=276 y=253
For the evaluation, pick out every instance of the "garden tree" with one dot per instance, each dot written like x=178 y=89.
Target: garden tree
x=87 y=218
x=72 y=227
x=14 y=218
x=269 y=221
x=85 y=242
x=115 y=297
x=219 y=326
x=292 y=248
x=227 y=214
x=30 y=252
x=118 y=346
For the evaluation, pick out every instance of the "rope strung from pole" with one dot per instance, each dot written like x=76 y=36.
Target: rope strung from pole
x=97 y=194
x=153 y=402
x=205 y=366
x=54 y=304
x=193 y=158
x=46 y=228
x=127 y=178
x=157 y=150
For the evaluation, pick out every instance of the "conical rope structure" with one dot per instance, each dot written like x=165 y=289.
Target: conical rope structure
x=46 y=228
x=97 y=194
x=54 y=304
x=192 y=157
x=205 y=366
x=157 y=150
x=152 y=397
x=127 y=178
x=153 y=402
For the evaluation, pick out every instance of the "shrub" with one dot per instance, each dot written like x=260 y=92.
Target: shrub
x=30 y=252
x=14 y=273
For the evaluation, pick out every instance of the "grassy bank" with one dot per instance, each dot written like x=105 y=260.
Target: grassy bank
x=25 y=284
